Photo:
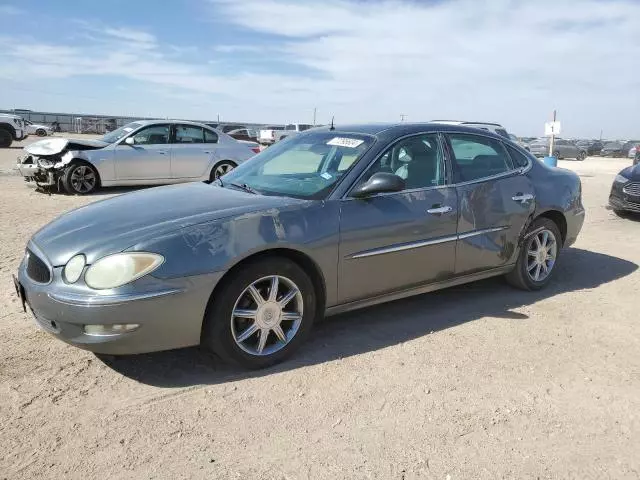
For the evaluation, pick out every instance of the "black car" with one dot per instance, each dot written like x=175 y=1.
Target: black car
x=625 y=191
x=593 y=147
x=617 y=149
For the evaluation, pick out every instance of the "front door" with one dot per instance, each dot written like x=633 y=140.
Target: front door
x=149 y=158
x=403 y=239
x=495 y=202
x=192 y=152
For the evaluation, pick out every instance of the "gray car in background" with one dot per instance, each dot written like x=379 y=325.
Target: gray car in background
x=328 y=221
x=561 y=149
x=150 y=152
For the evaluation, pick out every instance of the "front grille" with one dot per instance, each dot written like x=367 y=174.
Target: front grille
x=37 y=270
x=632 y=189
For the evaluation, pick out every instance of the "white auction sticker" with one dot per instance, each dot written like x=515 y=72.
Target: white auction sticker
x=345 y=142
x=326 y=176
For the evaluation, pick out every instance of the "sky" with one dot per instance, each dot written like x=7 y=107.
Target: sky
x=506 y=61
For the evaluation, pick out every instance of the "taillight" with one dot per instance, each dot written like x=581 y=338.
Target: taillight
x=255 y=149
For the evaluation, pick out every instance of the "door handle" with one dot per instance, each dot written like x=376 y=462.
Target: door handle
x=208 y=152
x=439 y=210
x=522 y=197
x=162 y=152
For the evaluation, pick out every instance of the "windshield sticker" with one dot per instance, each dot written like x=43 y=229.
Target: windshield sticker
x=345 y=142
x=326 y=176
x=128 y=129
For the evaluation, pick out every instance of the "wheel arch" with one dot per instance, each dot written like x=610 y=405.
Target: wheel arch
x=557 y=217
x=77 y=160
x=303 y=260
x=9 y=128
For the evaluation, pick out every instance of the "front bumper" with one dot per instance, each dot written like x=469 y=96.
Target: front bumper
x=169 y=312
x=619 y=200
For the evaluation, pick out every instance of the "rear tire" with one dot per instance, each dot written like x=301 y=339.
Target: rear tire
x=80 y=178
x=529 y=272
x=581 y=156
x=41 y=132
x=5 y=138
x=220 y=169
x=557 y=155
x=228 y=335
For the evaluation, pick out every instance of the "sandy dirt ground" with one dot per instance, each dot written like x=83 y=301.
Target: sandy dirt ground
x=478 y=381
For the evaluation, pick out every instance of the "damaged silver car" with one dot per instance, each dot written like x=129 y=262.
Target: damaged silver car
x=152 y=152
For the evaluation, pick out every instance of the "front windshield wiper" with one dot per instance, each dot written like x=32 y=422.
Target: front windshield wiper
x=245 y=187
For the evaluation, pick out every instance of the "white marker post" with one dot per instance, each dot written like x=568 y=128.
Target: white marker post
x=551 y=129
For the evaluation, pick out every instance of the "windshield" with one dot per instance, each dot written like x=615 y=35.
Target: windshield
x=306 y=166
x=613 y=145
x=116 y=135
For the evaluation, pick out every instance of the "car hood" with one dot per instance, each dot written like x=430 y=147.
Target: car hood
x=113 y=225
x=54 y=146
x=632 y=173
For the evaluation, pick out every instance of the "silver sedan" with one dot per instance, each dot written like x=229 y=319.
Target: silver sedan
x=151 y=152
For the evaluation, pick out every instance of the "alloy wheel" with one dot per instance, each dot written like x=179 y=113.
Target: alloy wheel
x=542 y=252
x=83 y=179
x=267 y=315
x=222 y=169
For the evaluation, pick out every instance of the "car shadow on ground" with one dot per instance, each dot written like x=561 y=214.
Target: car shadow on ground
x=381 y=326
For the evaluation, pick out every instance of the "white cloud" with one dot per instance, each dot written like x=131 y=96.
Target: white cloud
x=130 y=34
x=511 y=61
x=10 y=10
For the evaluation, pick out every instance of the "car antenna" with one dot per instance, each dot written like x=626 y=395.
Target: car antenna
x=332 y=127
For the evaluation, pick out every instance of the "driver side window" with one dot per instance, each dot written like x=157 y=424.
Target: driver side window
x=417 y=160
x=152 y=135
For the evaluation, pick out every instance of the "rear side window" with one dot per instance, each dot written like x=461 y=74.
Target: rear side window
x=478 y=157
x=519 y=158
x=188 y=134
x=210 y=137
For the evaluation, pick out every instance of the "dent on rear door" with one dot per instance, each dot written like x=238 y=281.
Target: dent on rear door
x=491 y=222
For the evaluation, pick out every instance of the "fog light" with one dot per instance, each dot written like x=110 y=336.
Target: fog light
x=105 y=330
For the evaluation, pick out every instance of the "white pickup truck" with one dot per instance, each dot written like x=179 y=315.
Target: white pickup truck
x=271 y=134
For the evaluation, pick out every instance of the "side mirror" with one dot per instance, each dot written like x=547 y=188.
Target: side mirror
x=380 y=182
x=130 y=141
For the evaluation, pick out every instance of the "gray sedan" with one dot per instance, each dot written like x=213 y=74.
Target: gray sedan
x=561 y=149
x=150 y=152
x=327 y=221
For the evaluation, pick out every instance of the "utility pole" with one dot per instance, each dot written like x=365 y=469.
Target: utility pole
x=315 y=109
x=600 y=134
x=553 y=134
x=218 y=118
x=402 y=117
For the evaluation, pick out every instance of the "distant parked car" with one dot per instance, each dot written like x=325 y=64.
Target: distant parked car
x=269 y=135
x=617 y=149
x=491 y=127
x=593 y=147
x=11 y=129
x=37 y=129
x=635 y=147
x=247 y=134
x=151 y=152
x=561 y=149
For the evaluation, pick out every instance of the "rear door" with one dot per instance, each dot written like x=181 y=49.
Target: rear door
x=149 y=158
x=398 y=240
x=191 y=154
x=495 y=201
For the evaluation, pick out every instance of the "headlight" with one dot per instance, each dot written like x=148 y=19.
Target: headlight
x=122 y=268
x=620 y=179
x=73 y=269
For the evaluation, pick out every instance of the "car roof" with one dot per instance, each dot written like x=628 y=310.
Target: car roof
x=466 y=122
x=184 y=122
x=404 y=128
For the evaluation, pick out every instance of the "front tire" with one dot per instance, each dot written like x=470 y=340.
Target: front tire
x=538 y=256
x=261 y=314
x=41 y=132
x=5 y=138
x=581 y=156
x=80 y=178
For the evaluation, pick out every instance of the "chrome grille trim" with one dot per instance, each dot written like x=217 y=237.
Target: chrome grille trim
x=632 y=188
